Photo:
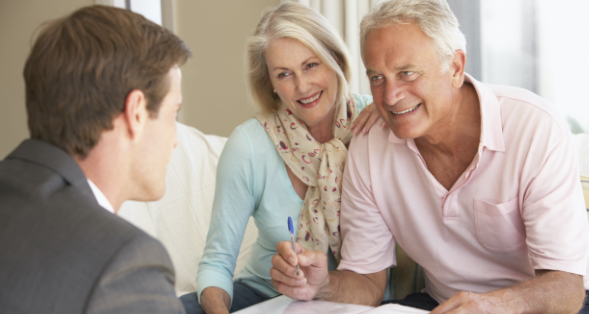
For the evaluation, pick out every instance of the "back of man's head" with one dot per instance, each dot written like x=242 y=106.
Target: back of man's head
x=82 y=67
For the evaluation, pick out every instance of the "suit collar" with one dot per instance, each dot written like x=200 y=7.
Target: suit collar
x=54 y=158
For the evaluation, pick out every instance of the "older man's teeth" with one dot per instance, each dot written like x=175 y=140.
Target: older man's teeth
x=310 y=100
x=408 y=110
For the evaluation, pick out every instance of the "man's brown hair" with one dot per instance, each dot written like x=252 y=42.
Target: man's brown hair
x=82 y=67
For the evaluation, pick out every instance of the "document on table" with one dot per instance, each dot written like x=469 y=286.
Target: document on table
x=285 y=305
x=395 y=308
x=324 y=307
x=274 y=305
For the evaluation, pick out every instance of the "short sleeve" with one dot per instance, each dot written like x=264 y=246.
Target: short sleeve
x=368 y=244
x=553 y=211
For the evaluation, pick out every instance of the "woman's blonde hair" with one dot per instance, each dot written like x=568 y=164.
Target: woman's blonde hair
x=297 y=21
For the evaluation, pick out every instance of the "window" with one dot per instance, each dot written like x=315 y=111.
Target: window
x=539 y=45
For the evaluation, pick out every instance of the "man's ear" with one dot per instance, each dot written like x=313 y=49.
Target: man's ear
x=136 y=113
x=457 y=68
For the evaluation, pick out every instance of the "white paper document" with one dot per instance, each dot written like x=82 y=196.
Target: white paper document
x=395 y=309
x=285 y=305
x=324 y=307
x=274 y=305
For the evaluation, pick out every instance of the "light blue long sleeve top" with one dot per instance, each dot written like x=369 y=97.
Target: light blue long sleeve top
x=251 y=181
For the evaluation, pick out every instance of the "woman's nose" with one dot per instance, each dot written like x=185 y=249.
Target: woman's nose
x=303 y=84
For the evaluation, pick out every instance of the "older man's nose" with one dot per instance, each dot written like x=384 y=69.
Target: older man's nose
x=393 y=92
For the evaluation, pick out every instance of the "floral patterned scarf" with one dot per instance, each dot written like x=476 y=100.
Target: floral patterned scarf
x=320 y=166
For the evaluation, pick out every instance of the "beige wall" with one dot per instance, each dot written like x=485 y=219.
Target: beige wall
x=18 y=20
x=214 y=90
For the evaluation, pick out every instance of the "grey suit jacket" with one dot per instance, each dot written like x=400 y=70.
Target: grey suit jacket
x=60 y=252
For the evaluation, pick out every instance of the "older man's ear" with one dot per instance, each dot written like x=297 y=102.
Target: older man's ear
x=457 y=68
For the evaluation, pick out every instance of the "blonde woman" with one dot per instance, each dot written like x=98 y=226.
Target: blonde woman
x=286 y=162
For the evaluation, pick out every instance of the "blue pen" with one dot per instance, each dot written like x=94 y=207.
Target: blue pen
x=292 y=239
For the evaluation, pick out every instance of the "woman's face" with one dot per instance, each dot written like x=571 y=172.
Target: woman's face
x=306 y=85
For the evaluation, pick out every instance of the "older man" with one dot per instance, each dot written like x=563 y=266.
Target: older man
x=102 y=95
x=477 y=183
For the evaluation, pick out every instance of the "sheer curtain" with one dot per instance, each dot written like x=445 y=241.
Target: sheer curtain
x=543 y=46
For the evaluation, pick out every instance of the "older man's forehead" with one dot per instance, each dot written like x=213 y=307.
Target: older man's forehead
x=396 y=40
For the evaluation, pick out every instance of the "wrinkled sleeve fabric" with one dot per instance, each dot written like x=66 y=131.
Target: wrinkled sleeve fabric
x=553 y=208
x=138 y=279
x=367 y=241
x=233 y=205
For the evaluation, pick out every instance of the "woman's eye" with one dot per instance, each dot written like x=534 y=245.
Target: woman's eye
x=283 y=74
x=312 y=65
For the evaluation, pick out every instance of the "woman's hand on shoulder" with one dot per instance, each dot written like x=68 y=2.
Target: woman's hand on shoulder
x=366 y=120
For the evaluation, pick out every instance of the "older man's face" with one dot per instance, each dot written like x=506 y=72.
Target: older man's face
x=413 y=95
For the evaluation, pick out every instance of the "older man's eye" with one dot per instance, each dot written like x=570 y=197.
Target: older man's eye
x=407 y=73
x=375 y=78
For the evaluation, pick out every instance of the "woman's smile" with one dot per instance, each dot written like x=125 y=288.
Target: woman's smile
x=304 y=83
x=310 y=101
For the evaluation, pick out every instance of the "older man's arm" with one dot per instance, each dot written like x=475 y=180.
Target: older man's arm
x=349 y=287
x=549 y=292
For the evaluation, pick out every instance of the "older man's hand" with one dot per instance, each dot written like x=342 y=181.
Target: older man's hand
x=550 y=291
x=470 y=302
x=313 y=272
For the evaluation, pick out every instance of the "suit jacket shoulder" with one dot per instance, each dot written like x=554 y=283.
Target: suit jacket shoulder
x=62 y=252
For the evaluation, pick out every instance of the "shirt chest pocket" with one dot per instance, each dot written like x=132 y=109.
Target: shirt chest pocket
x=500 y=228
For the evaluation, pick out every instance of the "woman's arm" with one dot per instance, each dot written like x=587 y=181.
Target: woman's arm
x=233 y=205
x=215 y=301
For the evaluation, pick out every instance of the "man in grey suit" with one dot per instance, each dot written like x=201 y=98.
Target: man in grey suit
x=102 y=95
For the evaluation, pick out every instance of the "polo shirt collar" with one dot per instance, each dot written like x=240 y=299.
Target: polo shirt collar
x=491 y=126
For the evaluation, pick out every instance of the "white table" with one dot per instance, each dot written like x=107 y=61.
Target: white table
x=286 y=305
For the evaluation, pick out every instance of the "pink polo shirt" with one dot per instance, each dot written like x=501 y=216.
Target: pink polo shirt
x=518 y=207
